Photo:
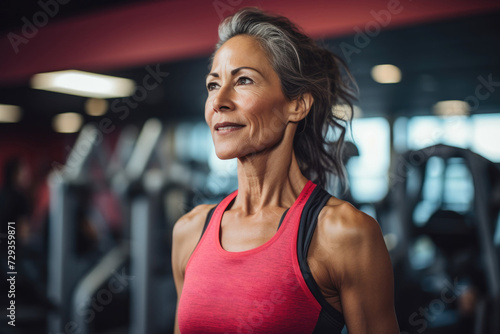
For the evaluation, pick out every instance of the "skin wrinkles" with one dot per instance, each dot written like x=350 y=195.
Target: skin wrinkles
x=347 y=256
x=235 y=71
x=258 y=103
x=264 y=146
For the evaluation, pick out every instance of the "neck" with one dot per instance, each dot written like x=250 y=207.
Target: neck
x=269 y=178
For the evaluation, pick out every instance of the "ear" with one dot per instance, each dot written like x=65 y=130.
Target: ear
x=299 y=108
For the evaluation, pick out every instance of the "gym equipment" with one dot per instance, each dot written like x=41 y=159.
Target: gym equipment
x=153 y=191
x=64 y=267
x=69 y=188
x=459 y=238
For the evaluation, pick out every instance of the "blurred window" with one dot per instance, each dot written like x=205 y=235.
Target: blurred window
x=486 y=136
x=368 y=171
x=447 y=185
x=480 y=133
x=432 y=191
x=424 y=131
x=458 y=186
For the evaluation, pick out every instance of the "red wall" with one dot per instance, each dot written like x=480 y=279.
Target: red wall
x=160 y=31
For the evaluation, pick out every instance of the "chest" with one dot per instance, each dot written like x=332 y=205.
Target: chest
x=238 y=233
x=254 y=291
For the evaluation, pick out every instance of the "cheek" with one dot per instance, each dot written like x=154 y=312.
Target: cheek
x=266 y=129
x=268 y=118
x=208 y=111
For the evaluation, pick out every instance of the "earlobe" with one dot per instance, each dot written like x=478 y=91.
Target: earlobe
x=301 y=107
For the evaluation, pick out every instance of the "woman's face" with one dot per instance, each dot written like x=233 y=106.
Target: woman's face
x=246 y=109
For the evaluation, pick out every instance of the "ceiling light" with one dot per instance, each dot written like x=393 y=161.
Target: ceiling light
x=83 y=84
x=386 y=73
x=9 y=113
x=69 y=122
x=96 y=107
x=451 y=108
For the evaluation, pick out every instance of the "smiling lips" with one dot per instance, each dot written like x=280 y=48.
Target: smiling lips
x=227 y=127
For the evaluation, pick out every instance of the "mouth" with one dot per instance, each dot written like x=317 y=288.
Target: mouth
x=227 y=127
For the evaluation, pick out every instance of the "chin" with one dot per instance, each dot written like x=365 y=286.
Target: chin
x=225 y=154
x=227 y=150
x=228 y=153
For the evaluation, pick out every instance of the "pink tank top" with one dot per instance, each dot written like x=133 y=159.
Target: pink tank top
x=261 y=290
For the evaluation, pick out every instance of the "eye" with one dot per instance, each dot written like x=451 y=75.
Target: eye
x=244 y=81
x=211 y=86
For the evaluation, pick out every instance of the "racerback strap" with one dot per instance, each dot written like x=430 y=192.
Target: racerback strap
x=330 y=317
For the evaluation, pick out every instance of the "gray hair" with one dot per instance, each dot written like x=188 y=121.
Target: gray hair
x=303 y=67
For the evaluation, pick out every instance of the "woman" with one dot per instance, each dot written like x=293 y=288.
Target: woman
x=239 y=267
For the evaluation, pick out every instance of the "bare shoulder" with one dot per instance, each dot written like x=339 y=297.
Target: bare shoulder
x=348 y=240
x=186 y=234
x=191 y=222
x=341 y=222
x=352 y=261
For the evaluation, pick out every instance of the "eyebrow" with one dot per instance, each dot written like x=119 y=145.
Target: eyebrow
x=234 y=71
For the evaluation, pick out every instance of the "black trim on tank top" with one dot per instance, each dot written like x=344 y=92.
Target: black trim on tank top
x=209 y=217
x=207 y=220
x=330 y=319
x=282 y=217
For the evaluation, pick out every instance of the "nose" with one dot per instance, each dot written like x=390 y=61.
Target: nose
x=223 y=99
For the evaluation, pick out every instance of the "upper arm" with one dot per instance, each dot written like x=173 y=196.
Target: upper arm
x=177 y=270
x=185 y=237
x=363 y=273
